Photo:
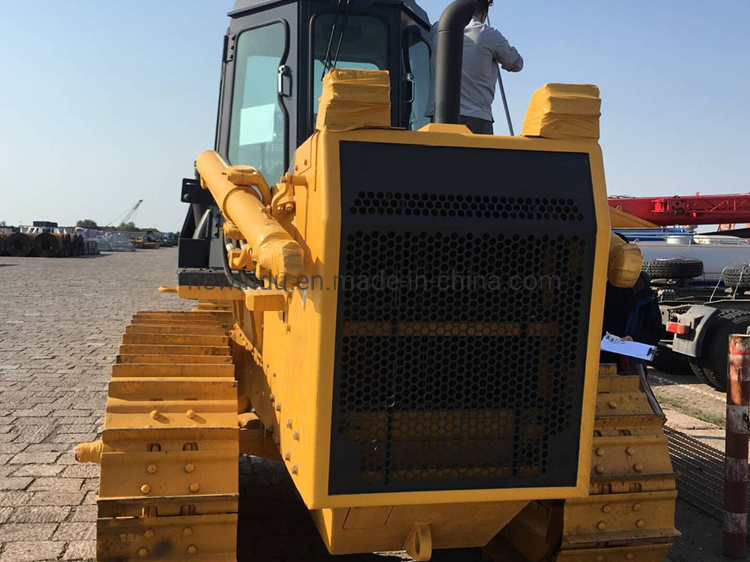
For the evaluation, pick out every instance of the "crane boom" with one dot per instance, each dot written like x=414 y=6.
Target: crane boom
x=130 y=213
x=691 y=209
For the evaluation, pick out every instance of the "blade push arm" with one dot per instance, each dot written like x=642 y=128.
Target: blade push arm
x=234 y=188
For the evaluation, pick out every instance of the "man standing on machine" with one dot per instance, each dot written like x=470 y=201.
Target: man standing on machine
x=484 y=48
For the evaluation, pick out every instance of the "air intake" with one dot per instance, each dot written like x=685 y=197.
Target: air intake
x=449 y=59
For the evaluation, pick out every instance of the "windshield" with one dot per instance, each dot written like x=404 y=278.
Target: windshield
x=363 y=46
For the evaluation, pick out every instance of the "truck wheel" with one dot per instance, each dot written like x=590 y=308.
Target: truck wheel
x=737 y=275
x=673 y=268
x=698 y=371
x=713 y=360
x=670 y=362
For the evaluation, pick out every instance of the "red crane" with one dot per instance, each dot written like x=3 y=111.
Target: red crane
x=690 y=209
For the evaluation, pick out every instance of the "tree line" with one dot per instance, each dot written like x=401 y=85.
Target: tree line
x=123 y=227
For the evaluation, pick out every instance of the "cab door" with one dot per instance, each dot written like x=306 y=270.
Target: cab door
x=257 y=110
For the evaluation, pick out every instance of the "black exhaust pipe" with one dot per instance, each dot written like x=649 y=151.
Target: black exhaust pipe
x=449 y=57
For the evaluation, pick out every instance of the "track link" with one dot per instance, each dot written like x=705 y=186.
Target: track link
x=629 y=513
x=169 y=473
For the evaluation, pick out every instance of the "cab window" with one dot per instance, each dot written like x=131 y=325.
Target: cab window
x=363 y=46
x=256 y=132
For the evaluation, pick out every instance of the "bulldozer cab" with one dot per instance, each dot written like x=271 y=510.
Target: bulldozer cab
x=276 y=54
x=274 y=58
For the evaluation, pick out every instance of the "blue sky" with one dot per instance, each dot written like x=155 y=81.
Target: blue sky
x=103 y=103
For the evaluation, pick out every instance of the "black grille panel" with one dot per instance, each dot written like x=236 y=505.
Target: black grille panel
x=461 y=338
x=470 y=206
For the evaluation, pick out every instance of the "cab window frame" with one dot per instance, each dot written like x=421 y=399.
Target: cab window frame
x=310 y=110
x=414 y=32
x=234 y=82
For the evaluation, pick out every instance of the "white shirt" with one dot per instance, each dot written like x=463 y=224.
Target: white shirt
x=484 y=48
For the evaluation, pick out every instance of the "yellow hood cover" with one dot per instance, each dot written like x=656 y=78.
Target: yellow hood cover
x=564 y=111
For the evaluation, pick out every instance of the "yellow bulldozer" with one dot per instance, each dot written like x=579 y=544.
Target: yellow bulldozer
x=408 y=320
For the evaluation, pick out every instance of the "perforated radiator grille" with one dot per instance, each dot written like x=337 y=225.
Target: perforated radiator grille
x=462 y=319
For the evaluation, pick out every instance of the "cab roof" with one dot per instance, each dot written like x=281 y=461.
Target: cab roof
x=243 y=6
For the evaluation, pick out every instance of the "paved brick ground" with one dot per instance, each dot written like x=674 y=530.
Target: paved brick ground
x=61 y=321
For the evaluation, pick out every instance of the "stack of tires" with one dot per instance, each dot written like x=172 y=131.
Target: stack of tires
x=18 y=245
x=45 y=245
x=737 y=277
x=673 y=268
x=78 y=246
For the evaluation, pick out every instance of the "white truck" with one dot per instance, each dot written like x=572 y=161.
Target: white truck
x=703 y=285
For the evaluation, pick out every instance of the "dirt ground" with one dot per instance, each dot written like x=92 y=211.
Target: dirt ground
x=61 y=321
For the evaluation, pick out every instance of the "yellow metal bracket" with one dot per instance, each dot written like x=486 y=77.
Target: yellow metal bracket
x=446 y=128
x=419 y=543
x=231 y=231
x=283 y=201
x=89 y=452
x=247 y=176
x=239 y=337
x=240 y=258
x=265 y=300
x=209 y=293
x=254 y=439
x=620 y=219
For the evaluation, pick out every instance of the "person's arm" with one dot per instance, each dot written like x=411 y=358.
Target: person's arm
x=507 y=55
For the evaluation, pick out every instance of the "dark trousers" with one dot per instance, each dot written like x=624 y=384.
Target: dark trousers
x=477 y=126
